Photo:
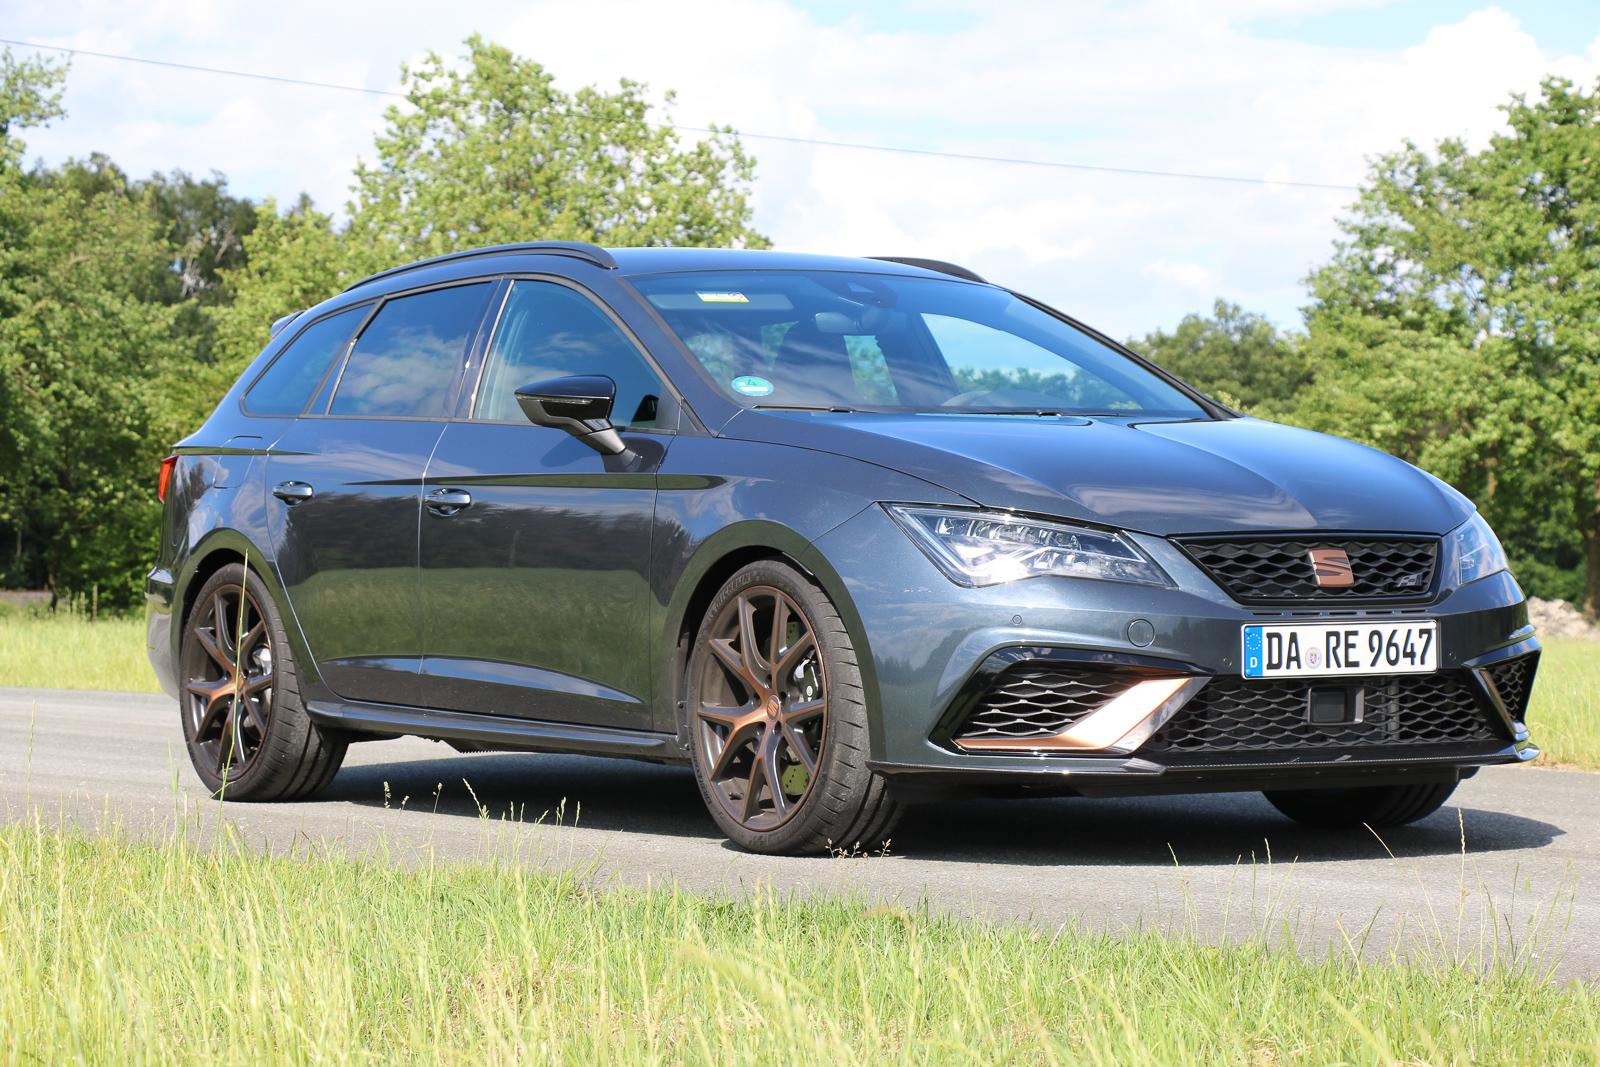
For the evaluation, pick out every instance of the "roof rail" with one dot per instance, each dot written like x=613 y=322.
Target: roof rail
x=934 y=265
x=576 y=249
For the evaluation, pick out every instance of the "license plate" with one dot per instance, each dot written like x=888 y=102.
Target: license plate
x=1323 y=650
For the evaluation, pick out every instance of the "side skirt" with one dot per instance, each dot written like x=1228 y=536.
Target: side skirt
x=385 y=720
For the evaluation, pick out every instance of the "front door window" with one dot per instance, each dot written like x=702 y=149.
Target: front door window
x=550 y=331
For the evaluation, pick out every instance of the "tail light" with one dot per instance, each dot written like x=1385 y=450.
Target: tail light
x=166 y=477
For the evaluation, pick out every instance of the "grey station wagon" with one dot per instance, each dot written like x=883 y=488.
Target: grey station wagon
x=838 y=533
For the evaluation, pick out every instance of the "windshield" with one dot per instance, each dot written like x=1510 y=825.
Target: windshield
x=830 y=339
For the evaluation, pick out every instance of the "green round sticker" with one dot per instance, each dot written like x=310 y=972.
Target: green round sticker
x=750 y=385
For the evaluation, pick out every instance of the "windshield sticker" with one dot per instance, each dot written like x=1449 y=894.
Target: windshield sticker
x=723 y=298
x=750 y=385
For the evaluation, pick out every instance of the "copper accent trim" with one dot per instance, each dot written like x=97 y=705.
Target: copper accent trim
x=1119 y=726
x=1330 y=568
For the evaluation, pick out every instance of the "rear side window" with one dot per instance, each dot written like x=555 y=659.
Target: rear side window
x=285 y=387
x=403 y=363
x=548 y=331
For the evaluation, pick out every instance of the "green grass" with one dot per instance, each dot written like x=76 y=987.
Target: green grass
x=1565 y=715
x=118 y=952
x=68 y=651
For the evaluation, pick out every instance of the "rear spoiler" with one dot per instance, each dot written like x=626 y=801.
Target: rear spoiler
x=279 y=324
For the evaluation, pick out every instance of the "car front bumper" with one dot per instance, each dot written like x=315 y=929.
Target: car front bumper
x=932 y=643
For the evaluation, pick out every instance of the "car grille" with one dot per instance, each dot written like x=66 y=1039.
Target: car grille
x=1234 y=715
x=1038 y=700
x=1513 y=680
x=1278 y=570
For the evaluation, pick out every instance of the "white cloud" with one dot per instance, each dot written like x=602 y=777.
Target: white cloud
x=1165 y=84
x=1193 y=276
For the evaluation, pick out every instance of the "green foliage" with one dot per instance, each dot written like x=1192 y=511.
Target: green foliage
x=1458 y=325
x=201 y=227
x=204 y=229
x=84 y=344
x=1235 y=356
x=83 y=347
x=296 y=259
x=30 y=95
x=494 y=152
x=204 y=225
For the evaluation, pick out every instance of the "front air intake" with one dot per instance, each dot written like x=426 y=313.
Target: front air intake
x=1032 y=700
x=1235 y=715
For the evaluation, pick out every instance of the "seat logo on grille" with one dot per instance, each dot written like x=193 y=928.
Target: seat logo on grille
x=1331 y=568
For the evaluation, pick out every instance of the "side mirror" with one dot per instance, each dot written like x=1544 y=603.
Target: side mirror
x=579 y=404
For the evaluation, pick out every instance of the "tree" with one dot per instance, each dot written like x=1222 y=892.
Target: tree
x=296 y=258
x=30 y=95
x=1458 y=324
x=85 y=345
x=204 y=224
x=495 y=152
x=1236 y=356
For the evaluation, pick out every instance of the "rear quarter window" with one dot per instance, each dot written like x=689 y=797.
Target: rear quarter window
x=405 y=361
x=285 y=387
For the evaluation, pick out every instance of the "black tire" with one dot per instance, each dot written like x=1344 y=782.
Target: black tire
x=845 y=807
x=257 y=743
x=1375 y=806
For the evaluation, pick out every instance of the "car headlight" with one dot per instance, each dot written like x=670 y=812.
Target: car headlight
x=976 y=548
x=1477 y=551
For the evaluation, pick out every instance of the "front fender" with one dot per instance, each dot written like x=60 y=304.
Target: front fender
x=723 y=502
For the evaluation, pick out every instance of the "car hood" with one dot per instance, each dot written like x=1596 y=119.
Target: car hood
x=1159 y=477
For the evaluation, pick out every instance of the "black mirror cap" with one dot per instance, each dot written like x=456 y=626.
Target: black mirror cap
x=579 y=404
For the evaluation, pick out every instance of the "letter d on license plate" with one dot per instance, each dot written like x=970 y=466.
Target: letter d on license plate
x=1321 y=650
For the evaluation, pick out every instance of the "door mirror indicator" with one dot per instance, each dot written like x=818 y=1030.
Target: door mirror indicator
x=579 y=404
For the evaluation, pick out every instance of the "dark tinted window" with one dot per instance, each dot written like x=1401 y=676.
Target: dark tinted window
x=548 y=331
x=287 y=384
x=404 y=362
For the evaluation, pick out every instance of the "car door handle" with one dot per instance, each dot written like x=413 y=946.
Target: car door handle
x=448 y=501
x=292 y=492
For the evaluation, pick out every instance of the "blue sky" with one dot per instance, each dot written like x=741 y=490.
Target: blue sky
x=1299 y=90
x=1554 y=24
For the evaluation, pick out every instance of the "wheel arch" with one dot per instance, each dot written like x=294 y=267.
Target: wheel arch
x=204 y=568
x=720 y=558
x=217 y=550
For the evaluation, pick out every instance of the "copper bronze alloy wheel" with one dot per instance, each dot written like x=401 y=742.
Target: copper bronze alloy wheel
x=778 y=719
x=248 y=735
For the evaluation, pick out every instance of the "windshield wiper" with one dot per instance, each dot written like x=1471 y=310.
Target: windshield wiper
x=1034 y=412
x=834 y=408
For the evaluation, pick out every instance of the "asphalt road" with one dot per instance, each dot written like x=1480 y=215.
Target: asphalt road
x=1509 y=866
